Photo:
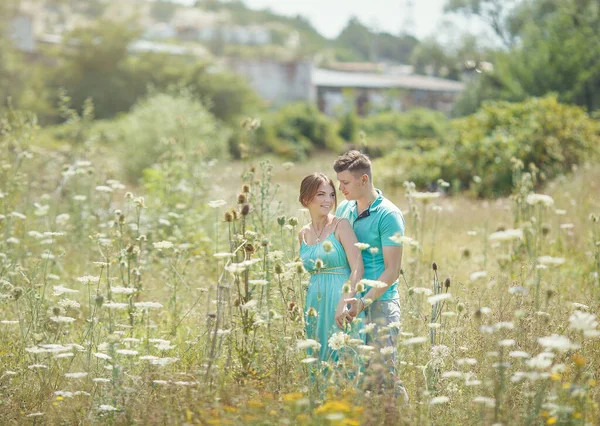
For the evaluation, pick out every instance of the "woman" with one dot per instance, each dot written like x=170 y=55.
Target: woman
x=328 y=252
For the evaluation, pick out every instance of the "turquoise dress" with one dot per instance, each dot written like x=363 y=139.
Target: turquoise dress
x=323 y=294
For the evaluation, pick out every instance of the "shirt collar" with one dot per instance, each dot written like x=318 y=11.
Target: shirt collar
x=376 y=202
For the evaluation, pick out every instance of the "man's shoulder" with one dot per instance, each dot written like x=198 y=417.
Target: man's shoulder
x=387 y=206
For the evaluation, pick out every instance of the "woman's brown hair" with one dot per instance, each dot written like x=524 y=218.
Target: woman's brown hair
x=310 y=185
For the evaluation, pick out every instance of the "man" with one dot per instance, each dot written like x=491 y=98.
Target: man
x=375 y=219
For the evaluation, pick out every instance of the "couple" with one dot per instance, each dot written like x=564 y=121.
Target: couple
x=329 y=251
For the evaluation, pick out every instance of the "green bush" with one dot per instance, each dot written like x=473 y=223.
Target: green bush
x=540 y=131
x=166 y=122
x=388 y=131
x=295 y=131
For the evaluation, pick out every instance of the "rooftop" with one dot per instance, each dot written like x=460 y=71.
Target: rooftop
x=340 y=79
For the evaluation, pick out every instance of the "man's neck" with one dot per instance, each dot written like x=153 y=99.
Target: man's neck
x=365 y=201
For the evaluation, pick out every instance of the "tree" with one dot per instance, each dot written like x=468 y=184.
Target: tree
x=561 y=56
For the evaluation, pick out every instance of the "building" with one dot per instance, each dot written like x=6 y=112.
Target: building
x=370 y=92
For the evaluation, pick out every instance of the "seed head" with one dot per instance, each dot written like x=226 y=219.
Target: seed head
x=250 y=248
x=99 y=300
x=460 y=307
x=241 y=198
x=234 y=213
x=246 y=189
x=281 y=220
x=447 y=283
x=312 y=312
x=360 y=287
x=300 y=269
x=327 y=246
x=319 y=264
x=346 y=288
x=545 y=229
x=434 y=266
x=293 y=221
x=265 y=242
x=17 y=292
x=278 y=269
x=245 y=210
x=228 y=217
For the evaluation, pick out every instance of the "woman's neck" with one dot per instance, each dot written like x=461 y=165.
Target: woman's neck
x=319 y=221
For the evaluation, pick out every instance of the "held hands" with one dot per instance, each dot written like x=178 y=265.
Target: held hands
x=357 y=305
x=348 y=310
x=343 y=315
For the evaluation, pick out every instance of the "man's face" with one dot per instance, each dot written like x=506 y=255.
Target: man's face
x=350 y=185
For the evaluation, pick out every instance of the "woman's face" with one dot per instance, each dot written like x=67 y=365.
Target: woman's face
x=323 y=201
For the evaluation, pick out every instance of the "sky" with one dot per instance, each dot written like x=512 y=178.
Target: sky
x=329 y=17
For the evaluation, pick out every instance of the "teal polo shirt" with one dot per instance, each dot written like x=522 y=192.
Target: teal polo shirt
x=375 y=226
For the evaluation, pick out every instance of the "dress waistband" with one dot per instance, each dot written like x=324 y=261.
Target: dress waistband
x=337 y=270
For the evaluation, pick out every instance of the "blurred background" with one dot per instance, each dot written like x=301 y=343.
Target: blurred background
x=400 y=79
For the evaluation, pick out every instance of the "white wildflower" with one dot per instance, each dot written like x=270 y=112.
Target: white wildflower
x=549 y=260
x=217 y=203
x=78 y=375
x=414 y=341
x=508 y=235
x=424 y=196
x=422 y=290
x=362 y=246
x=439 y=298
x=546 y=200
x=163 y=245
x=62 y=319
x=308 y=343
x=224 y=255
x=115 y=305
x=560 y=343
x=148 y=305
x=338 y=340
x=477 y=275
x=582 y=321
x=104 y=188
x=374 y=283
x=106 y=407
x=101 y=355
x=128 y=352
x=439 y=400
x=60 y=289
x=88 y=279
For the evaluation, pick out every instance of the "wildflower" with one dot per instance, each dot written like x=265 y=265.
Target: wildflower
x=439 y=400
x=582 y=321
x=338 y=340
x=148 y=305
x=115 y=305
x=18 y=215
x=579 y=305
x=249 y=304
x=452 y=375
x=549 y=260
x=62 y=319
x=374 y=283
x=217 y=203
x=422 y=290
x=327 y=246
x=439 y=298
x=101 y=355
x=164 y=361
x=308 y=343
x=362 y=246
x=104 y=188
x=122 y=290
x=368 y=328
x=258 y=282
x=128 y=352
x=518 y=354
x=546 y=200
x=477 y=275
x=287 y=165
x=105 y=407
x=508 y=235
x=275 y=255
x=558 y=342
x=88 y=279
x=76 y=375
x=309 y=360
x=401 y=239
x=506 y=342
x=388 y=350
x=414 y=341
x=60 y=289
x=424 y=196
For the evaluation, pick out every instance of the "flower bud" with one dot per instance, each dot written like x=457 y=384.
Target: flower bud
x=293 y=221
x=281 y=220
x=278 y=269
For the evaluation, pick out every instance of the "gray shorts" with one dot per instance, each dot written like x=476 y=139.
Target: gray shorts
x=382 y=313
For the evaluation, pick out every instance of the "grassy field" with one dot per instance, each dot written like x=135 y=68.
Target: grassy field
x=114 y=308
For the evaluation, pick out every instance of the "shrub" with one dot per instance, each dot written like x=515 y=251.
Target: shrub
x=541 y=132
x=162 y=121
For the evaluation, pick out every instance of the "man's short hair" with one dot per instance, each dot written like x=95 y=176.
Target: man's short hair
x=354 y=161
